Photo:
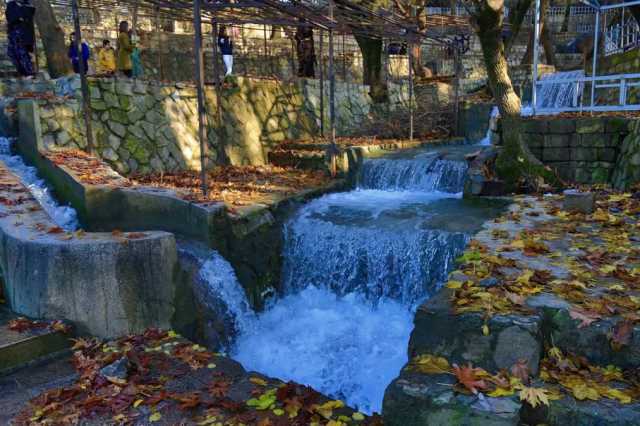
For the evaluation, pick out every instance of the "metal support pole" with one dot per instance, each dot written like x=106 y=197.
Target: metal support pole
x=344 y=59
x=202 y=111
x=595 y=59
x=332 y=96
x=159 y=53
x=410 y=59
x=321 y=65
x=266 y=54
x=456 y=105
x=84 y=84
x=217 y=82
x=534 y=71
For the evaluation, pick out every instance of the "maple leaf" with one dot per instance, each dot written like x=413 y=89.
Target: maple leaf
x=467 y=377
x=219 y=388
x=534 y=396
x=621 y=334
x=585 y=318
x=521 y=370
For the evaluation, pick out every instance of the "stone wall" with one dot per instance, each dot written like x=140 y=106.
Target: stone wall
x=627 y=170
x=584 y=150
x=143 y=127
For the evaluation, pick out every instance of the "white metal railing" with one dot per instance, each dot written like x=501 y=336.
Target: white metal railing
x=621 y=37
x=621 y=83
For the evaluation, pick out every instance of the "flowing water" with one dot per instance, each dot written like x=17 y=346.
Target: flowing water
x=63 y=216
x=356 y=265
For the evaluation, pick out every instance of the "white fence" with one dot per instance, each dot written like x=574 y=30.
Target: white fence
x=619 y=83
x=621 y=37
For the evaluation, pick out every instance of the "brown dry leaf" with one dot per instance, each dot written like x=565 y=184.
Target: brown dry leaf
x=621 y=334
x=585 y=318
x=521 y=370
x=467 y=376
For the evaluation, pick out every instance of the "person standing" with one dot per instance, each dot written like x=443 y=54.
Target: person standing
x=137 y=69
x=226 y=50
x=75 y=57
x=306 y=52
x=106 y=59
x=125 y=48
x=21 y=35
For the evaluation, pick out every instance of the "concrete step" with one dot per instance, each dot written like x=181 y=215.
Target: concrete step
x=20 y=349
x=300 y=159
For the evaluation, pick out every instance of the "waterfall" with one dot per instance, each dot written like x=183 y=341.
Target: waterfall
x=355 y=266
x=493 y=118
x=561 y=92
x=219 y=290
x=63 y=216
x=425 y=173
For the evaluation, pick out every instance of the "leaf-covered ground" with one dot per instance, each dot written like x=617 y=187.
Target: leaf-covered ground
x=233 y=185
x=587 y=263
x=158 y=377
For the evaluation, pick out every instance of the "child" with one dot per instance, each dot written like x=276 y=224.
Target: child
x=106 y=59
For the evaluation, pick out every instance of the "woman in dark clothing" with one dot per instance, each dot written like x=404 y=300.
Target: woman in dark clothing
x=20 y=32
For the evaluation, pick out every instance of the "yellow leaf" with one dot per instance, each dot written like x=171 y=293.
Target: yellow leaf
x=137 y=403
x=119 y=418
x=258 y=381
x=155 y=417
x=172 y=334
x=430 y=364
x=499 y=392
x=454 y=284
x=278 y=411
x=211 y=366
x=518 y=244
x=607 y=269
x=525 y=277
x=534 y=396
x=617 y=394
x=357 y=416
x=556 y=353
x=485 y=330
x=581 y=391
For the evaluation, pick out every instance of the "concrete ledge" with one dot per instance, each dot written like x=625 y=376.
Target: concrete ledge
x=107 y=285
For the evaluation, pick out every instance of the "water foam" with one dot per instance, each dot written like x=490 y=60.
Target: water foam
x=63 y=216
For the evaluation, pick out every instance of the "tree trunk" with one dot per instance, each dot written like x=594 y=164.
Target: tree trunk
x=372 y=67
x=515 y=164
x=53 y=39
x=516 y=18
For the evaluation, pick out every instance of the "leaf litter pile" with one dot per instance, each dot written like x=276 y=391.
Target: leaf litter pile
x=590 y=261
x=86 y=167
x=238 y=185
x=159 y=377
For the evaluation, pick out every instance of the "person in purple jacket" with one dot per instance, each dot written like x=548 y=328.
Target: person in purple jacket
x=21 y=35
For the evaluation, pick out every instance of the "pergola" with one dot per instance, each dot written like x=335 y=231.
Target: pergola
x=622 y=82
x=357 y=17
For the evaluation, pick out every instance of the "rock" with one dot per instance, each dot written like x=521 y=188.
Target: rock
x=116 y=370
x=117 y=128
x=124 y=87
x=63 y=138
x=111 y=100
x=546 y=300
x=114 y=142
x=489 y=282
x=583 y=202
x=109 y=154
x=157 y=165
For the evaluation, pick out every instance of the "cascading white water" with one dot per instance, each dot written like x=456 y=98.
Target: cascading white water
x=356 y=265
x=493 y=117
x=561 y=90
x=63 y=216
x=219 y=290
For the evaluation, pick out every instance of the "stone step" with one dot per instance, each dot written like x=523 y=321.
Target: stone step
x=19 y=349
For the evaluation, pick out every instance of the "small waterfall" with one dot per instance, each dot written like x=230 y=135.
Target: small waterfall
x=562 y=91
x=424 y=173
x=357 y=252
x=63 y=216
x=356 y=265
x=220 y=293
x=493 y=118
